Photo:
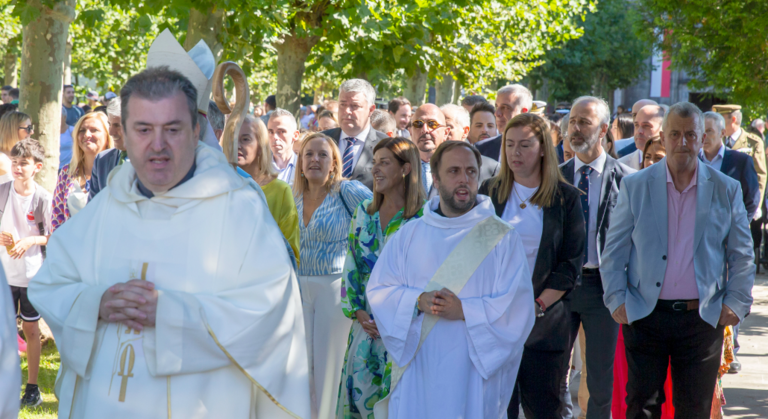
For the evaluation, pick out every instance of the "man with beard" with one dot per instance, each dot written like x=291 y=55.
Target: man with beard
x=482 y=124
x=511 y=101
x=599 y=176
x=458 y=313
x=355 y=136
x=647 y=125
x=109 y=159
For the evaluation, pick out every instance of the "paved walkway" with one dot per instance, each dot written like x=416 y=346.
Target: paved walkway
x=746 y=393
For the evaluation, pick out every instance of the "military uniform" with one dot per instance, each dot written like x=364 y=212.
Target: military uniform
x=749 y=144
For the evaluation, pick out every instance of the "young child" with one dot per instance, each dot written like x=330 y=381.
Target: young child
x=25 y=224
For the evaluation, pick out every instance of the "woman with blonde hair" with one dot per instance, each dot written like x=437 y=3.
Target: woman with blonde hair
x=398 y=197
x=326 y=203
x=71 y=194
x=14 y=127
x=531 y=194
x=254 y=157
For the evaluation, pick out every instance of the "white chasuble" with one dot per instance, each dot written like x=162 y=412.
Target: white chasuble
x=229 y=335
x=464 y=369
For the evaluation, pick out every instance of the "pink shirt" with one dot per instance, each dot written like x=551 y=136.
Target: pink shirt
x=680 y=278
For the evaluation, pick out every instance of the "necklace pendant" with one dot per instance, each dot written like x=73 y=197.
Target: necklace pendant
x=522 y=206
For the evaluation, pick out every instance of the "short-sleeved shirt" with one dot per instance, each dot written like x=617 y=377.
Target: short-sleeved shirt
x=19 y=220
x=73 y=115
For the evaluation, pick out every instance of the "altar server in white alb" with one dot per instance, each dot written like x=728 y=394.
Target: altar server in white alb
x=453 y=301
x=172 y=294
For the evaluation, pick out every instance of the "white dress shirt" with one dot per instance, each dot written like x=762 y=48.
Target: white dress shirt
x=357 y=149
x=595 y=184
x=286 y=174
x=717 y=161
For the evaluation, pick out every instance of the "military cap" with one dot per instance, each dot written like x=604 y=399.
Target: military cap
x=538 y=107
x=726 y=109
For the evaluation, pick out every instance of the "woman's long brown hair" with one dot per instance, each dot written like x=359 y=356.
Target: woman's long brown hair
x=405 y=152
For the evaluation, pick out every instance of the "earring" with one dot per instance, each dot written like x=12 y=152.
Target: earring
x=302 y=175
x=403 y=175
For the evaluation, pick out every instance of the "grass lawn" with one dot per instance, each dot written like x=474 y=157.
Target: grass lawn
x=49 y=367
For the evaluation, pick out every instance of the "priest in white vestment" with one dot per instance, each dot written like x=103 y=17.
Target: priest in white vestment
x=467 y=365
x=10 y=370
x=172 y=294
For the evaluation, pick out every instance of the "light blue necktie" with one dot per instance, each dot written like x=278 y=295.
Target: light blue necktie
x=426 y=177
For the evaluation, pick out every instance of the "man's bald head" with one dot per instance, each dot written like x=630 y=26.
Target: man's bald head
x=647 y=124
x=427 y=138
x=640 y=104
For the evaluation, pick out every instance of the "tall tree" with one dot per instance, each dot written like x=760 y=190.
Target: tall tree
x=720 y=44
x=42 y=66
x=608 y=56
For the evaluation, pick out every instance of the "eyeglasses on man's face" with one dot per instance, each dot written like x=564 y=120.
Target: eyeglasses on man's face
x=431 y=124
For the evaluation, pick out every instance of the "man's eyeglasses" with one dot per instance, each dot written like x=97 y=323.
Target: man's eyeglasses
x=28 y=128
x=431 y=124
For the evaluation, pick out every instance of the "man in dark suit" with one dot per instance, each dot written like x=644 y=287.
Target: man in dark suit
x=457 y=118
x=599 y=176
x=355 y=136
x=627 y=145
x=109 y=159
x=511 y=100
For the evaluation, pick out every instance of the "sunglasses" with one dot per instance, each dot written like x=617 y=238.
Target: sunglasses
x=28 y=128
x=431 y=124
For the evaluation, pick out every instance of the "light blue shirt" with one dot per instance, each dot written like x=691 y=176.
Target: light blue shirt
x=426 y=177
x=324 y=241
x=286 y=174
x=357 y=149
x=717 y=162
x=65 y=146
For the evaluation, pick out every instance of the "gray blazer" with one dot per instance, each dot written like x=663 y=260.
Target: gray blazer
x=635 y=259
x=609 y=192
x=364 y=166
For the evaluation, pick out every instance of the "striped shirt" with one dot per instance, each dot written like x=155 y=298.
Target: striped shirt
x=323 y=242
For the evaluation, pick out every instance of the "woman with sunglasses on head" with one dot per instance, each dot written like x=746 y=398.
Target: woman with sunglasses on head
x=71 y=193
x=14 y=127
x=531 y=194
x=325 y=203
x=398 y=198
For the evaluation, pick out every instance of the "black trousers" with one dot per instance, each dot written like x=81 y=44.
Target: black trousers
x=692 y=346
x=601 y=333
x=538 y=385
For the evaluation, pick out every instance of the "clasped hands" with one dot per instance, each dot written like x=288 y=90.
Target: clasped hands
x=133 y=303
x=442 y=303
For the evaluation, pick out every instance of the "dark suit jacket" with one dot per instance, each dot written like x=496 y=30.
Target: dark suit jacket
x=364 y=166
x=609 y=194
x=558 y=264
x=741 y=167
x=104 y=163
x=491 y=148
x=631 y=148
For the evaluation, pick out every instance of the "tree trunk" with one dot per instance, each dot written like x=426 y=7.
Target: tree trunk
x=11 y=63
x=444 y=90
x=42 y=64
x=457 y=92
x=68 y=62
x=416 y=87
x=292 y=53
x=205 y=25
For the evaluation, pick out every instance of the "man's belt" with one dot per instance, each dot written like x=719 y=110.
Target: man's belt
x=678 y=305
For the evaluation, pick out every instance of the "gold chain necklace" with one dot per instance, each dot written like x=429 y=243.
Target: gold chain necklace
x=522 y=205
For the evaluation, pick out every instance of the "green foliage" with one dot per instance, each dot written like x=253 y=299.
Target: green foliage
x=720 y=44
x=608 y=56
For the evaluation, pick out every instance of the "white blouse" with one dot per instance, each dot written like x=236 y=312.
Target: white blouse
x=528 y=221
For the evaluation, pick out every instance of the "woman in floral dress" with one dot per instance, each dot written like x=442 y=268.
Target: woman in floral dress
x=397 y=198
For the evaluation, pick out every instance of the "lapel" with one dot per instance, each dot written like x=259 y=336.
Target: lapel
x=657 y=185
x=727 y=163
x=367 y=153
x=567 y=170
x=704 y=190
x=609 y=176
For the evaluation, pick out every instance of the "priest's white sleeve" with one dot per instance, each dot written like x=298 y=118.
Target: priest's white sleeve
x=393 y=300
x=499 y=324
x=10 y=372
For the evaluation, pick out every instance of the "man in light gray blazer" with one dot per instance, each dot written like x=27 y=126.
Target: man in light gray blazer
x=678 y=267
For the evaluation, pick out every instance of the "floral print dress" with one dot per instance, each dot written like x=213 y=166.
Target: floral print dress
x=365 y=377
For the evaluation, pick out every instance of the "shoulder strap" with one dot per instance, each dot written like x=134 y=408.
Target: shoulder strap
x=5 y=191
x=453 y=274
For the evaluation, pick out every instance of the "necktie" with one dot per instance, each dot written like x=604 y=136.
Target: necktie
x=123 y=155
x=584 y=186
x=426 y=177
x=349 y=157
